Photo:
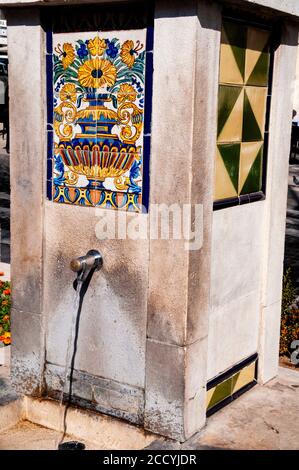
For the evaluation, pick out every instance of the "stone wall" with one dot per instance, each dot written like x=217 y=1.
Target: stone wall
x=146 y=348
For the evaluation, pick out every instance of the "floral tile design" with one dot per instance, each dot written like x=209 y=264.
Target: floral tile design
x=242 y=100
x=98 y=94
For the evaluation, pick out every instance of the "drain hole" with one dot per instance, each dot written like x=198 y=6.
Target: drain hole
x=71 y=445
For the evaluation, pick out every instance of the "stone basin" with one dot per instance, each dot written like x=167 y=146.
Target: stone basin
x=32 y=424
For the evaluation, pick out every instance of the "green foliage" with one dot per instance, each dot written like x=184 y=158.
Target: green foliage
x=289 y=315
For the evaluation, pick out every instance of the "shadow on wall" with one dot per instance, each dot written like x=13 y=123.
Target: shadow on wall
x=4 y=204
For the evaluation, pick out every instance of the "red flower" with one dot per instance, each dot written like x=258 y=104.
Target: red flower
x=6 y=292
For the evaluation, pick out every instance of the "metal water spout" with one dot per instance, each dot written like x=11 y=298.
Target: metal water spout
x=83 y=265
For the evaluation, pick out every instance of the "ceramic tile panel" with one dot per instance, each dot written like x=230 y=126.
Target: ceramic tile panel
x=242 y=101
x=250 y=174
x=99 y=148
x=230 y=113
x=243 y=377
x=229 y=385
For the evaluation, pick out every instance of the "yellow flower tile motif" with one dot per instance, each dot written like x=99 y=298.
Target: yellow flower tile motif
x=96 y=46
x=68 y=92
x=126 y=93
x=242 y=97
x=129 y=52
x=66 y=53
x=96 y=73
x=98 y=118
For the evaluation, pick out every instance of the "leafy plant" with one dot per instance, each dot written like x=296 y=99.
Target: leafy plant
x=5 y=305
x=289 y=315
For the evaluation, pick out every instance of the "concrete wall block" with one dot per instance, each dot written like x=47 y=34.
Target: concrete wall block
x=278 y=158
x=270 y=335
x=233 y=333
x=175 y=30
x=99 y=394
x=175 y=394
x=27 y=352
x=195 y=387
x=236 y=253
x=27 y=108
x=202 y=183
x=179 y=315
x=113 y=319
x=276 y=200
x=165 y=389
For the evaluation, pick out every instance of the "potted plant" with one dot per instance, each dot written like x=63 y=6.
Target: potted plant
x=5 y=304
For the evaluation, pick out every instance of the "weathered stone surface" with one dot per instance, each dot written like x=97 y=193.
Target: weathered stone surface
x=175 y=398
x=168 y=260
x=236 y=266
x=233 y=333
x=7 y=394
x=276 y=201
x=165 y=389
x=98 y=393
x=235 y=286
x=195 y=387
x=104 y=431
x=179 y=313
x=203 y=148
x=27 y=107
x=113 y=319
x=163 y=278
x=270 y=336
x=10 y=414
x=28 y=351
x=258 y=420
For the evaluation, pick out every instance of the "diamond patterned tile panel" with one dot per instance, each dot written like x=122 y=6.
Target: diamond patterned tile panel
x=242 y=97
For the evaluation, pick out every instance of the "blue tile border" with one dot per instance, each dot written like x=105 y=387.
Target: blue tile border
x=49 y=189
x=149 y=69
x=147 y=129
x=150 y=38
x=49 y=168
x=49 y=79
x=146 y=172
x=49 y=42
x=50 y=111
